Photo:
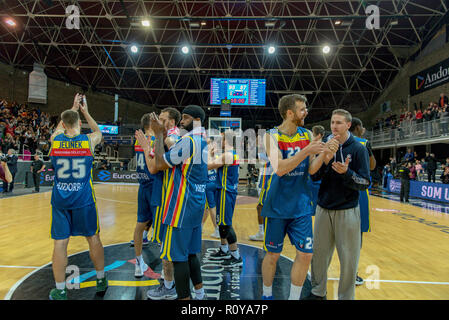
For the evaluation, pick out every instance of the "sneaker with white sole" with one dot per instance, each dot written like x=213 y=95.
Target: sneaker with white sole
x=256 y=237
x=220 y=255
x=140 y=269
x=162 y=293
x=233 y=262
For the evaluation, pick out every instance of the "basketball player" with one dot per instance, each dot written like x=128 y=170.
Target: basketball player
x=74 y=208
x=337 y=218
x=211 y=190
x=148 y=198
x=358 y=130
x=288 y=205
x=264 y=176
x=169 y=118
x=227 y=165
x=318 y=133
x=186 y=199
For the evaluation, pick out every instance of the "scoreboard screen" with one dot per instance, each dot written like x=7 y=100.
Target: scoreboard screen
x=240 y=92
x=108 y=129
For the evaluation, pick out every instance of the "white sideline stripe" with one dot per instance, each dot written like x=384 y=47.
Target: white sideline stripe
x=117 y=200
x=19 y=267
x=332 y=279
x=400 y=281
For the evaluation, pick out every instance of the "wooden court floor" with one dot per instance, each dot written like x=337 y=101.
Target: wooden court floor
x=405 y=257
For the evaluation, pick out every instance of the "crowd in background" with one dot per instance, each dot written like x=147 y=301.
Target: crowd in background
x=24 y=129
x=420 y=116
x=421 y=169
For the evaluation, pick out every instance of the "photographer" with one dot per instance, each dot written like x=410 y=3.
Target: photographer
x=37 y=166
x=11 y=161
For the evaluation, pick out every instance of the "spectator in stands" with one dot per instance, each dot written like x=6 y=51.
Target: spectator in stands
x=443 y=100
x=445 y=176
x=431 y=166
x=385 y=172
x=447 y=162
x=409 y=156
x=419 y=119
x=393 y=165
x=419 y=170
x=5 y=174
x=428 y=116
x=444 y=118
x=412 y=169
x=11 y=160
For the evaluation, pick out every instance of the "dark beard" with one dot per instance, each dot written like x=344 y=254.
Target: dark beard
x=189 y=127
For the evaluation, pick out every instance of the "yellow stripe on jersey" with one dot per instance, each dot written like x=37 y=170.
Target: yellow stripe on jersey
x=369 y=219
x=169 y=243
x=82 y=144
x=183 y=191
x=284 y=138
x=265 y=233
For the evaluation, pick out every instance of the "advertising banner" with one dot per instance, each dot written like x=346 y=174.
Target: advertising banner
x=423 y=190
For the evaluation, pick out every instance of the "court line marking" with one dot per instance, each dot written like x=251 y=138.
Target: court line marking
x=135 y=202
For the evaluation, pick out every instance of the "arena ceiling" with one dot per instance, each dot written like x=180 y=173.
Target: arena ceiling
x=227 y=39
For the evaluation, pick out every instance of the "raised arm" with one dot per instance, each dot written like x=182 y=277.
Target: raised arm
x=75 y=107
x=96 y=135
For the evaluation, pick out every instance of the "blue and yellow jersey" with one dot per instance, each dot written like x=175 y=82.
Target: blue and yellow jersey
x=72 y=159
x=289 y=196
x=265 y=174
x=228 y=175
x=212 y=179
x=185 y=193
x=145 y=177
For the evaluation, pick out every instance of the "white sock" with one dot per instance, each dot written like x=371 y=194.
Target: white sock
x=140 y=260
x=236 y=254
x=100 y=274
x=162 y=274
x=295 y=292
x=267 y=291
x=168 y=284
x=145 y=234
x=199 y=293
x=60 y=285
x=260 y=228
x=224 y=248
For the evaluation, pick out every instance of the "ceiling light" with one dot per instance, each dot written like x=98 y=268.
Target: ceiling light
x=326 y=49
x=338 y=22
x=10 y=22
x=271 y=49
x=134 y=49
x=145 y=23
x=194 y=25
x=270 y=24
x=185 y=50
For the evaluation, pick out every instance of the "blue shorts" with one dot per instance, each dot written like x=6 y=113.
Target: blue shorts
x=210 y=198
x=225 y=207
x=144 y=207
x=299 y=231
x=365 y=225
x=74 y=222
x=179 y=243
